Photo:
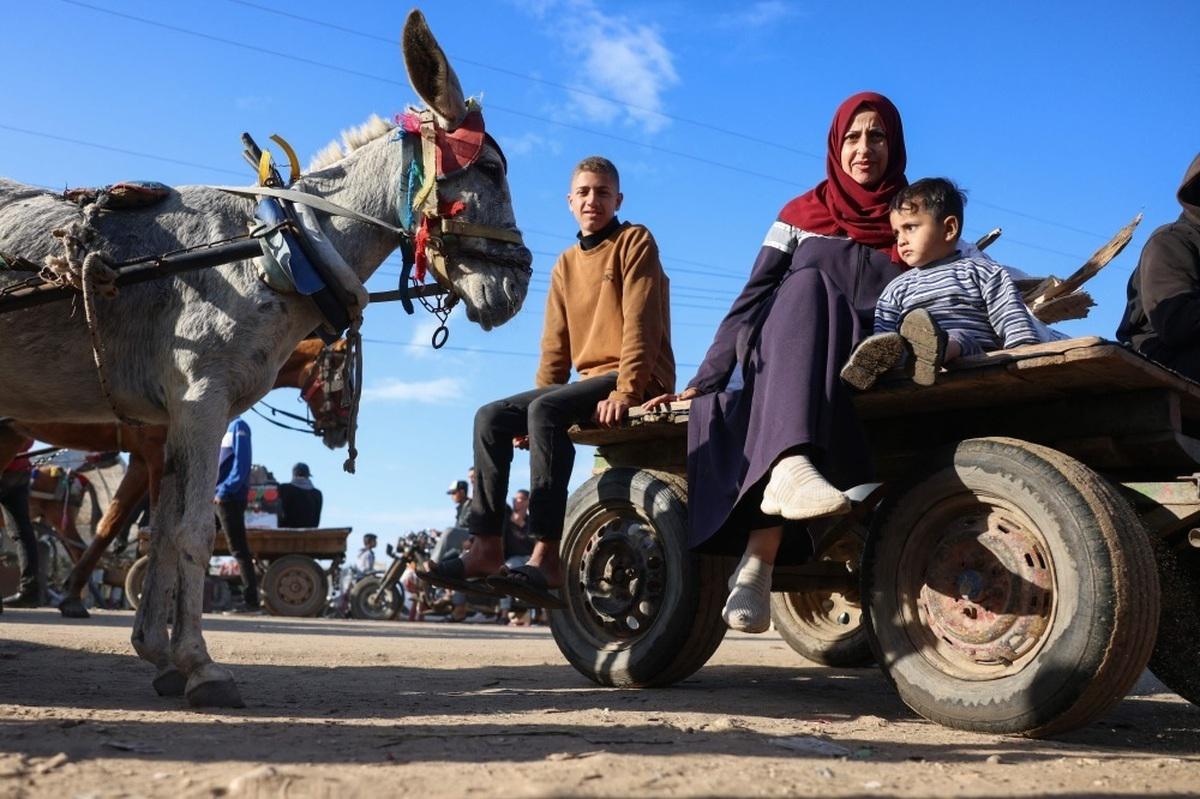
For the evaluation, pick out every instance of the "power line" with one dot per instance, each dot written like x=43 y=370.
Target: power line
x=535 y=79
x=121 y=150
x=476 y=350
x=513 y=111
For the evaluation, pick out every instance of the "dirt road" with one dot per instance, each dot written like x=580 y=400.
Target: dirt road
x=426 y=710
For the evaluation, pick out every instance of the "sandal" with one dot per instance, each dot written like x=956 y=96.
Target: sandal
x=451 y=573
x=527 y=584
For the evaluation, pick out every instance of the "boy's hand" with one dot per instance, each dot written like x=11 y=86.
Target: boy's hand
x=521 y=442
x=666 y=399
x=610 y=412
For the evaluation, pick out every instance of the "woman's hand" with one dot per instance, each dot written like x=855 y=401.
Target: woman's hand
x=663 y=400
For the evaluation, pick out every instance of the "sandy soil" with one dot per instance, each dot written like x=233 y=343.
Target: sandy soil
x=425 y=710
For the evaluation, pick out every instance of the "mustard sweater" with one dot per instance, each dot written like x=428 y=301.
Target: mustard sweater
x=609 y=310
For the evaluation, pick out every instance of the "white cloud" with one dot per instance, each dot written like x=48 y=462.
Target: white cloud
x=427 y=391
x=761 y=14
x=528 y=143
x=617 y=57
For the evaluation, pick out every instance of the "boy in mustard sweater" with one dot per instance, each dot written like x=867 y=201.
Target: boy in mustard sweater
x=608 y=315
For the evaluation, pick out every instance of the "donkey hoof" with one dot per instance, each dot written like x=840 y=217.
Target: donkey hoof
x=170 y=683
x=217 y=692
x=72 y=608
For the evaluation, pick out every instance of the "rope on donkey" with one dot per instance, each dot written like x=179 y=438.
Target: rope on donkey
x=352 y=368
x=87 y=270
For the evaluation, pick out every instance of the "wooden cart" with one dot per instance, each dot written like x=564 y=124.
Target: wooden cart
x=1038 y=507
x=292 y=582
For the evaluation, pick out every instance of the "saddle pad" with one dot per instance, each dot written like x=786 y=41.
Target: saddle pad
x=121 y=196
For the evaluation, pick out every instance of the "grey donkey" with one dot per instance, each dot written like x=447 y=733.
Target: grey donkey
x=193 y=350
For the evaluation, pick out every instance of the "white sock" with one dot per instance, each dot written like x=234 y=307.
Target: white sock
x=797 y=490
x=749 y=605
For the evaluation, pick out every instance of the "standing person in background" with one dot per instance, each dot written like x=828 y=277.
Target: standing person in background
x=233 y=483
x=517 y=543
x=14 y=496
x=462 y=502
x=300 y=501
x=365 y=562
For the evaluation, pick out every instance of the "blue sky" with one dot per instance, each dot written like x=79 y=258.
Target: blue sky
x=1062 y=120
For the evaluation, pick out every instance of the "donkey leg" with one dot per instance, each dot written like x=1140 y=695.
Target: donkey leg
x=150 y=635
x=124 y=503
x=189 y=478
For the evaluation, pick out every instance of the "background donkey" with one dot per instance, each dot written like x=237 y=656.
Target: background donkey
x=145 y=445
x=191 y=351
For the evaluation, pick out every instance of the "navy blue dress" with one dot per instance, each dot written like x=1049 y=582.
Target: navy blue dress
x=809 y=300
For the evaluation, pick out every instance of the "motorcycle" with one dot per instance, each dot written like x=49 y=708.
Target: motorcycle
x=380 y=597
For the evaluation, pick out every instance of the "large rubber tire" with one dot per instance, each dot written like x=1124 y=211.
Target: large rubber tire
x=827 y=627
x=642 y=610
x=295 y=585
x=1176 y=658
x=134 y=578
x=364 y=606
x=1010 y=590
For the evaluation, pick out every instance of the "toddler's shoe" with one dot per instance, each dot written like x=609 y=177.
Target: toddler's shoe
x=928 y=344
x=870 y=359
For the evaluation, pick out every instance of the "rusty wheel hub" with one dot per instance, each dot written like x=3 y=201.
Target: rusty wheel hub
x=983 y=585
x=296 y=586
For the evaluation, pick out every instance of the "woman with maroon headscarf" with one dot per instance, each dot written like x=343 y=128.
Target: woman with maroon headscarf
x=777 y=446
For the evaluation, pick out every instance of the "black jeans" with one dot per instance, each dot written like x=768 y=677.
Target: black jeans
x=545 y=415
x=14 y=496
x=231 y=517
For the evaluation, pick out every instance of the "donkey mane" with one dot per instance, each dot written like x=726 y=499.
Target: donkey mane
x=352 y=139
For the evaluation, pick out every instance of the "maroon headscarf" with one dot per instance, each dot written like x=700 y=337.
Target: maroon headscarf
x=838 y=206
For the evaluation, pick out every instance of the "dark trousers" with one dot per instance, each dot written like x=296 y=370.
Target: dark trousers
x=545 y=415
x=231 y=516
x=14 y=496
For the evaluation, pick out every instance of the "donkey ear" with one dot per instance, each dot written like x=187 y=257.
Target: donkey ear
x=430 y=73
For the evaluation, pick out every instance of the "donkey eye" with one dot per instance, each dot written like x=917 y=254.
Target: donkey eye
x=492 y=169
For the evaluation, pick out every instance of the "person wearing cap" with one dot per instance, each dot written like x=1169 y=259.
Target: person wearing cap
x=299 y=500
x=233 y=485
x=462 y=503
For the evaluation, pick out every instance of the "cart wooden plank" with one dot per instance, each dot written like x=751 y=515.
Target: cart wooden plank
x=1089 y=397
x=274 y=542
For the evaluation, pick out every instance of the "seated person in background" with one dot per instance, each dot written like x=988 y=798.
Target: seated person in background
x=299 y=500
x=1162 y=317
x=608 y=316
x=948 y=304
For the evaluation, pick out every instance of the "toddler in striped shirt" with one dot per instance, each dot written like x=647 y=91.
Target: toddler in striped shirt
x=950 y=303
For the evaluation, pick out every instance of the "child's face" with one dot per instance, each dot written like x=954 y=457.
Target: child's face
x=920 y=238
x=594 y=201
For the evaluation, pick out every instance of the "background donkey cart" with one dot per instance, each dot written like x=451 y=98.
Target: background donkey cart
x=193 y=349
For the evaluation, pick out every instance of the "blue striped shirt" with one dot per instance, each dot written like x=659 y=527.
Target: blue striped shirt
x=971 y=297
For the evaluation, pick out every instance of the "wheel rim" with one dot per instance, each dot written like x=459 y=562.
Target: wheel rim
x=621 y=575
x=831 y=615
x=379 y=604
x=976 y=587
x=296 y=586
